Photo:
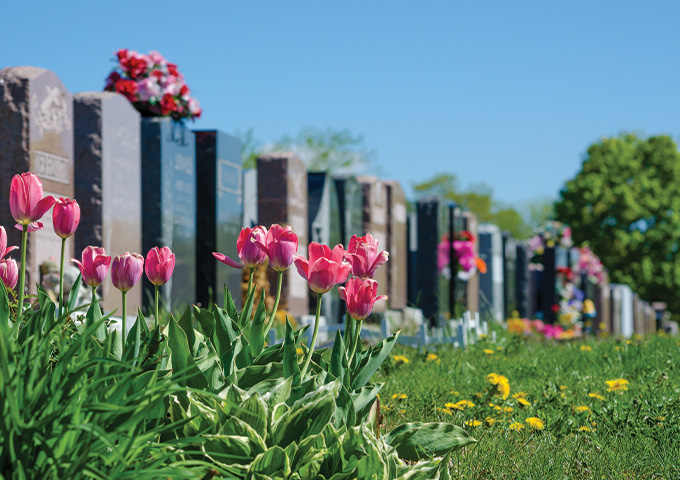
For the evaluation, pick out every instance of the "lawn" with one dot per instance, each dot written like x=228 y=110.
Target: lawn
x=590 y=409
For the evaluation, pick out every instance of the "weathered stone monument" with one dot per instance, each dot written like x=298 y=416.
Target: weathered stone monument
x=491 y=283
x=108 y=181
x=425 y=292
x=397 y=246
x=469 y=221
x=603 y=305
x=282 y=199
x=350 y=206
x=36 y=134
x=220 y=214
x=169 y=204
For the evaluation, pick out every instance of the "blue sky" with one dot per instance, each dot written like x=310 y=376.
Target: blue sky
x=506 y=93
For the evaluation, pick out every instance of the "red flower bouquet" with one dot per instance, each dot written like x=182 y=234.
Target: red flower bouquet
x=153 y=85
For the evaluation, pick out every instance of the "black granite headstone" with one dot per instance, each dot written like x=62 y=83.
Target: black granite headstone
x=219 y=212
x=350 y=205
x=430 y=284
x=548 y=284
x=491 y=283
x=509 y=266
x=523 y=281
x=169 y=203
x=108 y=181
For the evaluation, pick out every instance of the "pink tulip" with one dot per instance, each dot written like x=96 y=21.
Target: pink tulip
x=360 y=295
x=364 y=256
x=65 y=217
x=4 y=249
x=126 y=270
x=250 y=254
x=280 y=246
x=9 y=272
x=94 y=266
x=26 y=201
x=159 y=265
x=325 y=267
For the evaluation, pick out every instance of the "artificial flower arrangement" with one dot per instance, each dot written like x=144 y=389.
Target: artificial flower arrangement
x=154 y=86
x=549 y=235
x=589 y=264
x=468 y=262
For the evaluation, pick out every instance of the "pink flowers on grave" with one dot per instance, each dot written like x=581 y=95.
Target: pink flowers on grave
x=280 y=246
x=94 y=265
x=364 y=256
x=9 y=272
x=248 y=251
x=463 y=251
x=360 y=294
x=26 y=201
x=159 y=265
x=65 y=217
x=126 y=270
x=325 y=267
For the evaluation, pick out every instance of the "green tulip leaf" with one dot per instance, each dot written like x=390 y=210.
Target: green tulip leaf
x=183 y=364
x=291 y=369
x=256 y=338
x=371 y=362
x=74 y=294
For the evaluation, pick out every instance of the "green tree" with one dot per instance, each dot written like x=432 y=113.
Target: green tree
x=477 y=198
x=625 y=203
x=337 y=151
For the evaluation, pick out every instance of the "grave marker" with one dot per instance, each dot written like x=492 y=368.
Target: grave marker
x=491 y=283
x=397 y=246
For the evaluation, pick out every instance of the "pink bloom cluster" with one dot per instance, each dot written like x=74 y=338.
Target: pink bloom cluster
x=589 y=264
x=153 y=85
x=464 y=252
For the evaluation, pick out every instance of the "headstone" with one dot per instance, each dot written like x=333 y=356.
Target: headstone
x=491 y=283
x=523 y=281
x=324 y=218
x=412 y=272
x=250 y=198
x=375 y=222
x=219 y=207
x=602 y=302
x=282 y=198
x=169 y=204
x=108 y=182
x=638 y=315
x=426 y=295
x=509 y=281
x=627 y=311
x=397 y=246
x=616 y=307
x=472 y=288
x=36 y=135
x=548 y=283
x=350 y=206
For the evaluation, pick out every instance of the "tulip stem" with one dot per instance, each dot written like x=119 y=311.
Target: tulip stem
x=276 y=304
x=350 y=325
x=61 y=277
x=157 y=322
x=124 y=319
x=94 y=295
x=308 y=358
x=22 y=272
x=250 y=279
x=355 y=342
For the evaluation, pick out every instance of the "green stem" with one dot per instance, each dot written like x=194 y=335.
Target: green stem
x=94 y=295
x=308 y=357
x=356 y=341
x=350 y=325
x=61 y=277
x=157 y=322
x=250 y=279
x=276 y=305
x=22 y=272
x=124 y=319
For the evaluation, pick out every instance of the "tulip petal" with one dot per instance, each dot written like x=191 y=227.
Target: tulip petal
x=10 y=249
x=341 y=291
x=261 y=246
x=227 y=261
x=343 y=274
x=302 y=265
x=380 y=260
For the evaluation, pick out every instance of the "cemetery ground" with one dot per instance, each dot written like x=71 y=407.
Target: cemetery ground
x=563 y=417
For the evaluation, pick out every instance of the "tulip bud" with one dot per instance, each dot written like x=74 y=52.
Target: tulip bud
x=26 y=200
x=126 y=270
x=325 y=267
x=280 y=246
x=360 y=295
x=65 y=217
x=9 y=272
x=94 y=266
x=364 y=256
x=159 y=265
x=250 y=254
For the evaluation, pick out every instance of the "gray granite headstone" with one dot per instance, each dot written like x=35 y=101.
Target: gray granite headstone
x=397 y=246
x=491 y=283
x=469 y=221
x=108 y=181
x=220 y=212
x=282 y=199
x=169 y=204
x=36 y=134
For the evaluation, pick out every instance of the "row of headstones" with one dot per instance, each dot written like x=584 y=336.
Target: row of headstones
x=511 y=284
x=143 y=182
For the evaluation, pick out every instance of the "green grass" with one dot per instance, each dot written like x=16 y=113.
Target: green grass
x=628 y=434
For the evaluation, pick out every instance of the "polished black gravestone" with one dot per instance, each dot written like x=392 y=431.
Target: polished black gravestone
x=108 y=181
x=169 y=204
x=524 y=298
x=350 y=205
x=324 y=218
x=36 y=135
x=219 y=213
x=491 y=283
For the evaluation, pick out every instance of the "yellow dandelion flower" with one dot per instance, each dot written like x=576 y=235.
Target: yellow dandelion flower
x=431 y=357
x=400 y=359
x=399 y=396
x=473 y=423
x=466 y=404
x=453 y=392
x=659 y=418
x=584 y=429
x=563 y=387
x=618 y=385
x=582 y=408
x=535 y=423
x=453 y=406
x=501 y=383
x=499 y=348
x=507 y=409
x=516 y=426
x=488 y=351
x=489 y=421
x=523 y=402
x=596 y=395
x=520 y=395
x=402 y=412
x=628 y=342
x=497 y=408
x=586 y=348
x=445 y=411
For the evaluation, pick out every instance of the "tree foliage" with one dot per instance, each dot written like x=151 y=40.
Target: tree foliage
x=625 y=202
x=478 y=199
